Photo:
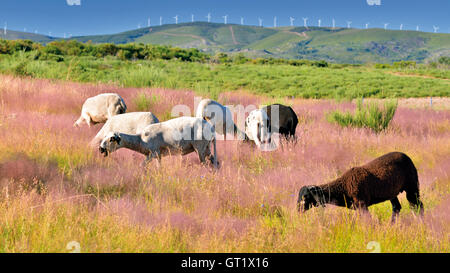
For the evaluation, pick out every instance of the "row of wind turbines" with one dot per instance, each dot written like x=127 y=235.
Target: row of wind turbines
x=275 y=22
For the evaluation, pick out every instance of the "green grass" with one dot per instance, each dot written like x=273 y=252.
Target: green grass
x=144 y=102
x=370 y=116
x=276 y=81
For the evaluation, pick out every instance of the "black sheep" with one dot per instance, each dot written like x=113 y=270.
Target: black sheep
x=380 y=180
x=287 y=119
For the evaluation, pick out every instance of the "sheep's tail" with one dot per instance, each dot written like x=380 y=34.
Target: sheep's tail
x=412 y=190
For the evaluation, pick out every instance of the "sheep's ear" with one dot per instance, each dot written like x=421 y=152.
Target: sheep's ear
x=313 y=192
x=317 y=194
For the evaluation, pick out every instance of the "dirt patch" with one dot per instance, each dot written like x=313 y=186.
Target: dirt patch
x=400 y=74
x=303 y=34
x=435 y=103
x=232 y=36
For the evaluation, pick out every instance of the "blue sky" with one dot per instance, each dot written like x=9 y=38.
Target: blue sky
x=112 y=16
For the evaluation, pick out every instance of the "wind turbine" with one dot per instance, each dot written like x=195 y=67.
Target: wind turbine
x=225 y=17
x=292 y=19
x=149 y=23
x=334 y=23
x=192 y=18
x=208 y=17
x=305 y=22
x=319 y=22
x=385 y=25
x=401 y=26
x=349 y=24
x=160 y=20
x=242 y=20
x=260 y=22
x=367 y=25
x=275 y=21
x=176 y=19
x=435 y=29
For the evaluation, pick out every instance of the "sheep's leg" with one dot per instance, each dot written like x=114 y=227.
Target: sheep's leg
x=157 y=155
x=78 y=122
x=212 y=158
x=87 y=118
x=146 y=161
x=414 y=201
x=396 y=207
x=201 y=154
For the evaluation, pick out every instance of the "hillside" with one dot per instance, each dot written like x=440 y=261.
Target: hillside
x=15 y=35
x=340 y=45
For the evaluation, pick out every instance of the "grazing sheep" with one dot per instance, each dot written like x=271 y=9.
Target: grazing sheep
x=129 y=123
x=220 y=116
x=377 y=181
x=181 y=135
x=287 y=119
x=256 y=127
x=100 y=108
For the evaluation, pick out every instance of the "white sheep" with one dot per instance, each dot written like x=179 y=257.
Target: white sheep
x=129 y=123
x=220 y=116
x=100 y=108
x=257 y=127
x=181 y=135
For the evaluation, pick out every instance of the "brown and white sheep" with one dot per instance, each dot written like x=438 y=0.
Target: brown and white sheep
x=377 y=181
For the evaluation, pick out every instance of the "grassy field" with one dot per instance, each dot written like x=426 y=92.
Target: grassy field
x=277 y=80
x=54 y=189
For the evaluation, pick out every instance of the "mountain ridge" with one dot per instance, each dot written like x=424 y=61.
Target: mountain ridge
x=339 y=45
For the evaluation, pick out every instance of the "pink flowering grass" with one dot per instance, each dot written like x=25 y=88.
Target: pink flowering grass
x=55 y=189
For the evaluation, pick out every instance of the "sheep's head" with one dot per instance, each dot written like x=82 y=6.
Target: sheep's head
x=257 y=127
x=308 y=197
x=110 y=143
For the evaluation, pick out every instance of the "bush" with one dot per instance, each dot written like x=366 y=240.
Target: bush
x=370 y=116
x=382 y=66
x=21 y=69
x=444 y=60
x=404 y=64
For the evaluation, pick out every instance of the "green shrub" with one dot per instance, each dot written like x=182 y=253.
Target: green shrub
x=21 y=69
x=382 y=66
x=144 y=102
x=371 y=116
x=444 y=60
x=404 y=64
